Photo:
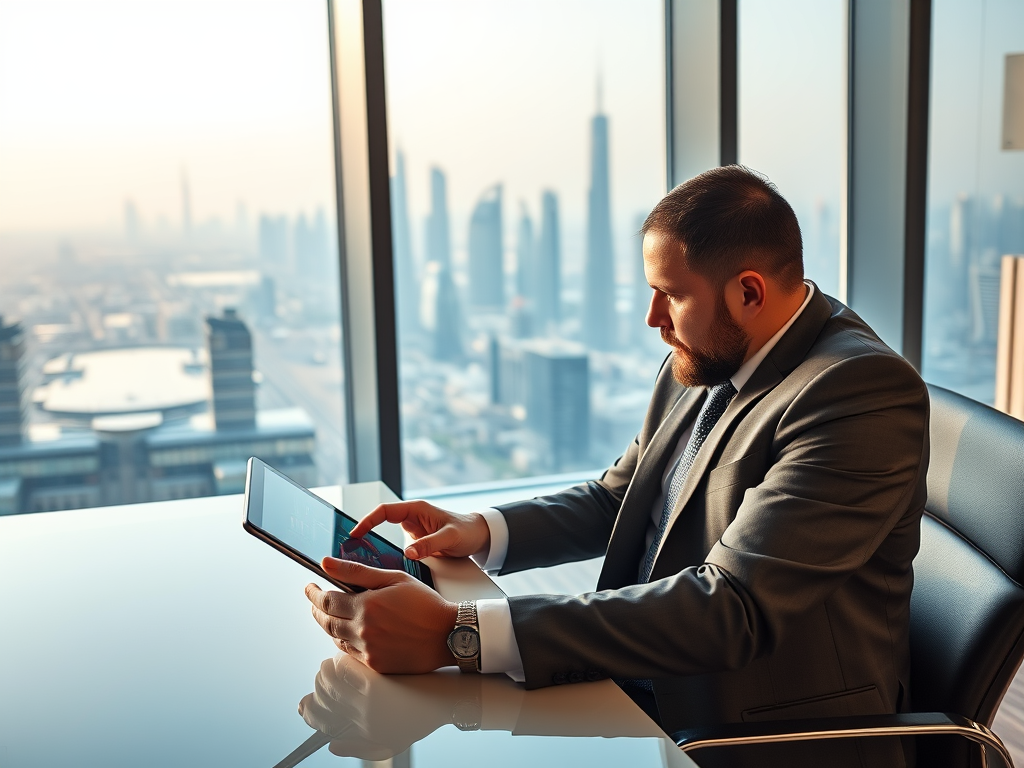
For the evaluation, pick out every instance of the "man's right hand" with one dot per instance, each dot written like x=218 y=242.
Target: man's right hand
x=436 y=531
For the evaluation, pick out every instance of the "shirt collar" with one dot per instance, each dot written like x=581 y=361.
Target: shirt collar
x=747 y=369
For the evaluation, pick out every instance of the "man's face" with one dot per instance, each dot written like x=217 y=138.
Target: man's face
x=692 y=314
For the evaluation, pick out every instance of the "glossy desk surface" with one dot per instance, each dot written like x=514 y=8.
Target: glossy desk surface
x=164 y=635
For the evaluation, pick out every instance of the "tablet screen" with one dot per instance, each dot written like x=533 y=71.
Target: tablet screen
x=307 y=523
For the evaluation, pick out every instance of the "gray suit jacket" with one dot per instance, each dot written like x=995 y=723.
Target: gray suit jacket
x=782 y=587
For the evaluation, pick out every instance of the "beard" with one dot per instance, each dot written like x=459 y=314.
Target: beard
x=716 y=359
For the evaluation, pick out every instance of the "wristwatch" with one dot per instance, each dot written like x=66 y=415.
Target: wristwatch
x=464 y=639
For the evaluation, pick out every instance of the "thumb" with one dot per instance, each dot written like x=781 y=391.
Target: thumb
x=349 y=572
x=433 y=543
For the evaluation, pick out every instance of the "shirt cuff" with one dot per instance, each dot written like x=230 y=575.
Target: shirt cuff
x=499 y=542
x=499 y=651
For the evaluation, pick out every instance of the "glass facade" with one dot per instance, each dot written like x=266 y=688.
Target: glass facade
x=168 y=260
x=792 y=116
x=975 y=192
x=527 y=148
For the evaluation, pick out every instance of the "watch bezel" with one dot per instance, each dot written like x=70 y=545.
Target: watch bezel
x=460 y=629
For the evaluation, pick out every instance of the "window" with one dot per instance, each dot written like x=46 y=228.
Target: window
x=792 y=116
x=168 y=258
x=975 y=192
x=527 y=148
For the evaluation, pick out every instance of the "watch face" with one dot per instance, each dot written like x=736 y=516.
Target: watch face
x=464 y=642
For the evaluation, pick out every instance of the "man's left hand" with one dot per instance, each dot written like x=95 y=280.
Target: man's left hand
x=397 y=626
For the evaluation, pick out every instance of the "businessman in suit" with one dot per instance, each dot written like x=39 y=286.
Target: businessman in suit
x=758 y=534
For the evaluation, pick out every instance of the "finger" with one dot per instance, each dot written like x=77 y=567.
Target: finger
x=339 y=629
x=331 y=602
x=434 y=543
x=360 y=575
x=391 y=513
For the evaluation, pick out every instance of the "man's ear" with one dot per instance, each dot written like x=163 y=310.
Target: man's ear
x=748 y=291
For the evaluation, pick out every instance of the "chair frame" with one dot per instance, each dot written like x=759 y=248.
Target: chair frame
x=908 y=724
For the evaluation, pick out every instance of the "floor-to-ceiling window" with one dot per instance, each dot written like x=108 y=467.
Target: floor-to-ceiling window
x=528 y=145
x=168 y=258
x=975 y=191
x=792 y=115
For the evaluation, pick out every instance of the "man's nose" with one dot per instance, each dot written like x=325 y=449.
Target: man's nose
x=657 y=311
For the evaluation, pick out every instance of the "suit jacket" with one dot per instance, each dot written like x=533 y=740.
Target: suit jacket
x=782 y=586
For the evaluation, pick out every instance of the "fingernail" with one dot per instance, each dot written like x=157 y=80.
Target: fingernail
x=410 y=552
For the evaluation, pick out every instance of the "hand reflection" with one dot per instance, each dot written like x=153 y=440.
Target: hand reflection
x=375 y=717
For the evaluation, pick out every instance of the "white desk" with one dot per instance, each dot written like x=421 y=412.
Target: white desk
x=164 y=635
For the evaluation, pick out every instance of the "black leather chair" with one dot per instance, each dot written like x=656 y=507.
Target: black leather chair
x=967 y=607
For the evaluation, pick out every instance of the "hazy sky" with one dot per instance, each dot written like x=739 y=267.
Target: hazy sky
x=103 y=101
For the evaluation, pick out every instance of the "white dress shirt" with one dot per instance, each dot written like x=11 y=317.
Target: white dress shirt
x=499 y=651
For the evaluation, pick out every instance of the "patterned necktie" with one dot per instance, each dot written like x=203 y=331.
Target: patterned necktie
x=718 y=400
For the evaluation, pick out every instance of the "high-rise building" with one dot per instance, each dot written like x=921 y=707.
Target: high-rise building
x=599 y=319
x=12 y=381
x=310 y=247
x=550 y=380
x=234 y=393
x=558 y=402
x=548 y=285
x=273 y=241
x=486 y=271
x=407 y=305
x=638 y=330
x=523 y=324
x=444 y=318
x=438 y=235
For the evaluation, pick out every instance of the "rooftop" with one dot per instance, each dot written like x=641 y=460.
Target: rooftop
x=125 y=381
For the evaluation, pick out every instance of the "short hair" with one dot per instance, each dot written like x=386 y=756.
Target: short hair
x=730 y=219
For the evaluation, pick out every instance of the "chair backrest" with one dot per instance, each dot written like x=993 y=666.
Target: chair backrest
x=967 y=607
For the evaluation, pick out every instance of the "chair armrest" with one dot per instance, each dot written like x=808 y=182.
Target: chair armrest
x=908 y=724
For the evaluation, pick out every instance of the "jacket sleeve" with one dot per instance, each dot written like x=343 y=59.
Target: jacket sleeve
x=849 y=464
x=572 y=525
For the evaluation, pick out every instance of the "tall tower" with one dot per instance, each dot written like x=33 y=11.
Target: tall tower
x=486 y=273
x=599 y=326
x=406 y=297
x=548 y=288
x=446 y=330
x=12 y=378
x=639 y=331
x=234 y=394
x=526 y=277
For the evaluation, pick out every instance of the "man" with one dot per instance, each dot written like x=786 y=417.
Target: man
x=759 y=532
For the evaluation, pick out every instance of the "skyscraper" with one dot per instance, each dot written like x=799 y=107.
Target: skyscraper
x=486 y=272
x=558 y=401
x=526 y=277
x=406 y=282
x=439 y=244
x=310 y=247
x=12 y=379
x=599 y=326
x=639 y=331
x=273 y=241
x=445 y=325
x=234 y=393
x=548 y=287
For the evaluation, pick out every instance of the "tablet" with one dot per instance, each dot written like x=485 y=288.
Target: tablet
x=307 y=529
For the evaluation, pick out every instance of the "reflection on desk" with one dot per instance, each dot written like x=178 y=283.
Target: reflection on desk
x=374 y=717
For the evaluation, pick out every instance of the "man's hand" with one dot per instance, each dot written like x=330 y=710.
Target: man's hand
x=437 y=532
x=398 y=625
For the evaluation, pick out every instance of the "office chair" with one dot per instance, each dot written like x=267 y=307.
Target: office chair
x=967 y=607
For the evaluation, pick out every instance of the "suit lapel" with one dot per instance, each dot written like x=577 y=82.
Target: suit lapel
x=790 y=350
x=624 y=548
